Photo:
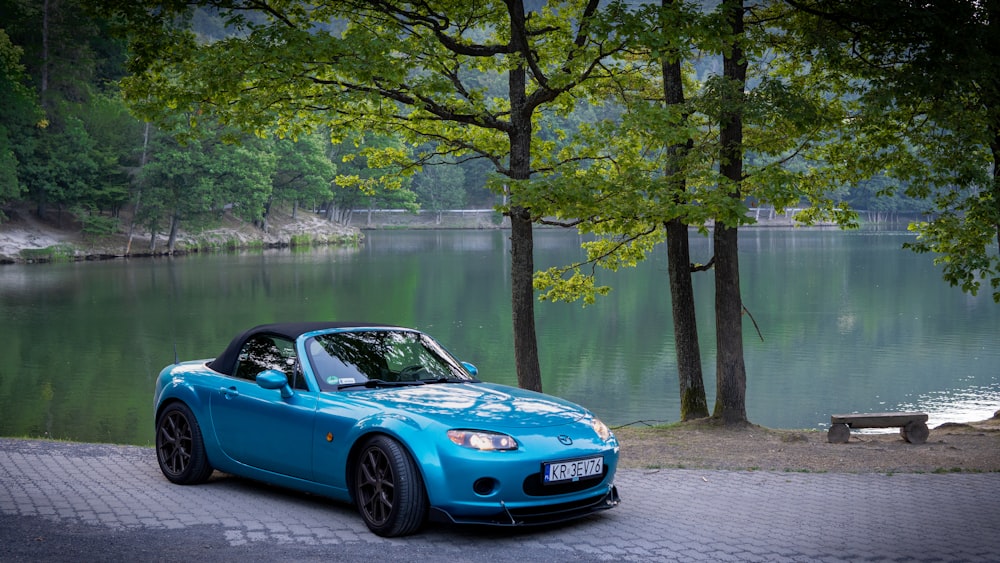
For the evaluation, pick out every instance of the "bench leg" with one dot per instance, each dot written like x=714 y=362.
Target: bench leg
x=915 y=432
x=839 y=433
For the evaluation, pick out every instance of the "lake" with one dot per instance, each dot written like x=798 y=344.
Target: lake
x=848 y=322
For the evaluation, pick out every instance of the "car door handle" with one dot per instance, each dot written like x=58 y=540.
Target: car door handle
x=229 y=392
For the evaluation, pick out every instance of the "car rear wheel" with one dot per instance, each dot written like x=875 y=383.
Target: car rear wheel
x=180 y=449
x=388 y=489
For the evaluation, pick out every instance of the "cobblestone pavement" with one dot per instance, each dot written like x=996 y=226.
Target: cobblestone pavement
x=66 y=501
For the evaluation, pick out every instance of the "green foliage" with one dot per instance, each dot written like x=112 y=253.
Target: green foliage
x=55 y=253
x=657 y=162
x=440 y=185
x=303 y=171
x=19 y=111
x=963 y=240
x=302 y=240
x=372 y=174
x=438 y=84
x=924 y=108
x=196 y=181
x=95 y=224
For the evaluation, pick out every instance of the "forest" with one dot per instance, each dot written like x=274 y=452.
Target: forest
x=70 y=144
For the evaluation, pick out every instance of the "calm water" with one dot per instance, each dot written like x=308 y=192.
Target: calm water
x=849 y=323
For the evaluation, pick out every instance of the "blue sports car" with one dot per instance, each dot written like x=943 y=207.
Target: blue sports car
x=383 y=417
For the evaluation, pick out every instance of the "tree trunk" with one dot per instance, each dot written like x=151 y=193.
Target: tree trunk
x=692 y=385
x=995 y=150
x=44 y=87
x=731 y=383
x=993 y=17
x=153 y=227
x=522 y=267
x=172 y=239
x=264 y=216
x=730 y=401
x=694 y=404
x=138 y=196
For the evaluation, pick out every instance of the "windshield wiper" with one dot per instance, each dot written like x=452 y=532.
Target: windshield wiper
x=375 y=383
x=448 y=380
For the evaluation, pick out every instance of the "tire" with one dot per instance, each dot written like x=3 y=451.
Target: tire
x=388 y=489
x=180 y=449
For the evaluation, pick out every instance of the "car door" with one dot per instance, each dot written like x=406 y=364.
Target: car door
x=258 y=427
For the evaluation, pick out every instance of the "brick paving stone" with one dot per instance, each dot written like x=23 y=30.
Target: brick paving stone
x=666 y=515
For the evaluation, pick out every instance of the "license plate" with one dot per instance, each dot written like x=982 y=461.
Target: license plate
x=574 y=470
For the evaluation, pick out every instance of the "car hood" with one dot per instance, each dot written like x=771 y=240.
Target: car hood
x=473 y=404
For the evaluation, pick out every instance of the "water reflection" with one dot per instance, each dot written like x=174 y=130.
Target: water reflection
x=956 y=405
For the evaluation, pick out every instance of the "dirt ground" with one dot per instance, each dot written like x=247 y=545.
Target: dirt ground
x=702 y=444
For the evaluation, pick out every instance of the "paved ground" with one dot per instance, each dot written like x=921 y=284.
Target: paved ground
x=71 y=502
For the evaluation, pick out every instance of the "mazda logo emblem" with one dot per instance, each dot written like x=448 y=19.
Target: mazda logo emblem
x=565 y=440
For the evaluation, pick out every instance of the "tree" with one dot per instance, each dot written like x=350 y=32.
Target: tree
x=62 y=168
x=421 y=72
x=679 y=268
x=69 y=159
x=926 y=112
x=440 y=186
x=304 y=172
x=196 y=180
x=673 y=161
x=731 y=377
x=115 y=136
x=367 y=180
x=19 y=113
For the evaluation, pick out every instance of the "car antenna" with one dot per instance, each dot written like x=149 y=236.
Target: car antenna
x=175 y=352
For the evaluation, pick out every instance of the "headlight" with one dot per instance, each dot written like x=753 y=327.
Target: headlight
x=602 y=429
x=479 y=440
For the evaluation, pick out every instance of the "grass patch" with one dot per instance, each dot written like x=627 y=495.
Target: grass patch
x=205 y=245
x=304 y=239
x=54 y=253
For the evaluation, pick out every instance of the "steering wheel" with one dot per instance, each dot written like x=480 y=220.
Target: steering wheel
x=411 y=373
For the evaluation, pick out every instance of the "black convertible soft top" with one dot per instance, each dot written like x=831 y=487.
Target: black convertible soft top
x=225 y=363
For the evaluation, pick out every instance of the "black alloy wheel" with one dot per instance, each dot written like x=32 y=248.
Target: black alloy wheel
x=180 y=449
x=388 y=489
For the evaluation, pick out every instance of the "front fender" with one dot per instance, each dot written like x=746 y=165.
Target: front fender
x=413 y=434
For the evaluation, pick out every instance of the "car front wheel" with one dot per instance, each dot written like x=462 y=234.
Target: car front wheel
x=180 y=449
x=388 y=489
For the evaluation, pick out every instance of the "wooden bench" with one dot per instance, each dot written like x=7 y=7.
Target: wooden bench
x=912 y=425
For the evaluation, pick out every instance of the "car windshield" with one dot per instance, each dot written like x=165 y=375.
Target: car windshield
x=375 y=358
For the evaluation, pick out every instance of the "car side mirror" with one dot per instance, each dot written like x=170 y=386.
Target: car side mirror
x=470 y=368
x=274 y=379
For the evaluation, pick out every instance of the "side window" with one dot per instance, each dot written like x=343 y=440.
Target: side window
x=269 y=352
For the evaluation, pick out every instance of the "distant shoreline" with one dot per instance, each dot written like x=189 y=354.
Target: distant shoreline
x=26 y=239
